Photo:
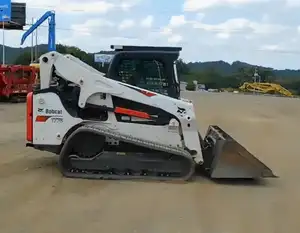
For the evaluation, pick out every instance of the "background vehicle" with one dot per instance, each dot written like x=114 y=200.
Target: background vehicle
x=16 y=81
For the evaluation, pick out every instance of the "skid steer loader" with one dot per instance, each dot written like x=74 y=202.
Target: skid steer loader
x=129 y=122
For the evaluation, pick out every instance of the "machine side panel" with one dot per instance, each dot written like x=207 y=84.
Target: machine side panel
x=50 y=119
x=156 y=134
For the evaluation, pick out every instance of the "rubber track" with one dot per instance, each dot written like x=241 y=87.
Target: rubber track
x=105 y=131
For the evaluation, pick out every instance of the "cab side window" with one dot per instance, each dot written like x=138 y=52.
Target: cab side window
x=149 y=74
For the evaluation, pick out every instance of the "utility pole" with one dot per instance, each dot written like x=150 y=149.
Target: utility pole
x=31 y=49
x=3 y=18
x=254 y=79
x=256 y=75
x=36 y=44
x=3 y=39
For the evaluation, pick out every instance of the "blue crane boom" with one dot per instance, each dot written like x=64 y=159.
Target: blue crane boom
x=50 y=15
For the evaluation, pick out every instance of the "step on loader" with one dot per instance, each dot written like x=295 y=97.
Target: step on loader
x=129 y=121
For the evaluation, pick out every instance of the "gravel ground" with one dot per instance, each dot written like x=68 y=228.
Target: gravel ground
x=35 y=198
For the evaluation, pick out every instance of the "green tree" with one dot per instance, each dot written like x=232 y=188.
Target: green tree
x=182 y=67
x=190 y=86
x=182 y=70
x=267 y=75
x=75 y=51
x=23 y=59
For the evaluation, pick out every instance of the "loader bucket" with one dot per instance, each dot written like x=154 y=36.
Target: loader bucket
x=224 y=157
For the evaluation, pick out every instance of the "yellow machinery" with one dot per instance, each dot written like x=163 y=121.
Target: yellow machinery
x=265 y=88
x=37 y=66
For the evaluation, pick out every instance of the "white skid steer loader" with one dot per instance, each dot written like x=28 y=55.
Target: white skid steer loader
x=129 y=122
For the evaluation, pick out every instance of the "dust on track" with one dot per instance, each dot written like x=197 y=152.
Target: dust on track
x=35 y=198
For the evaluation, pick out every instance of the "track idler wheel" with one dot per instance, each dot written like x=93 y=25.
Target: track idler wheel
x=80 y=144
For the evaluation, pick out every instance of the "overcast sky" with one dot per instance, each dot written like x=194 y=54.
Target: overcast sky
x=262 y=32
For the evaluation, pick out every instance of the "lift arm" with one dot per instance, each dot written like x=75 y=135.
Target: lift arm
x=51 y=30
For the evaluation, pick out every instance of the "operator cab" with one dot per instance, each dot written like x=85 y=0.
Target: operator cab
x=150 y=68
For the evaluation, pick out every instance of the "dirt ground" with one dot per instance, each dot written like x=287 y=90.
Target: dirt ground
x=35 y=198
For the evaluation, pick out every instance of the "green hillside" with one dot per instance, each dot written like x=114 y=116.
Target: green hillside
x=221 y=67
x=214 y=74
x=229 y=69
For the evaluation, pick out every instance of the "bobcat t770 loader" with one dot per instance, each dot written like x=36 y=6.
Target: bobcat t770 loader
x=129 y=122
